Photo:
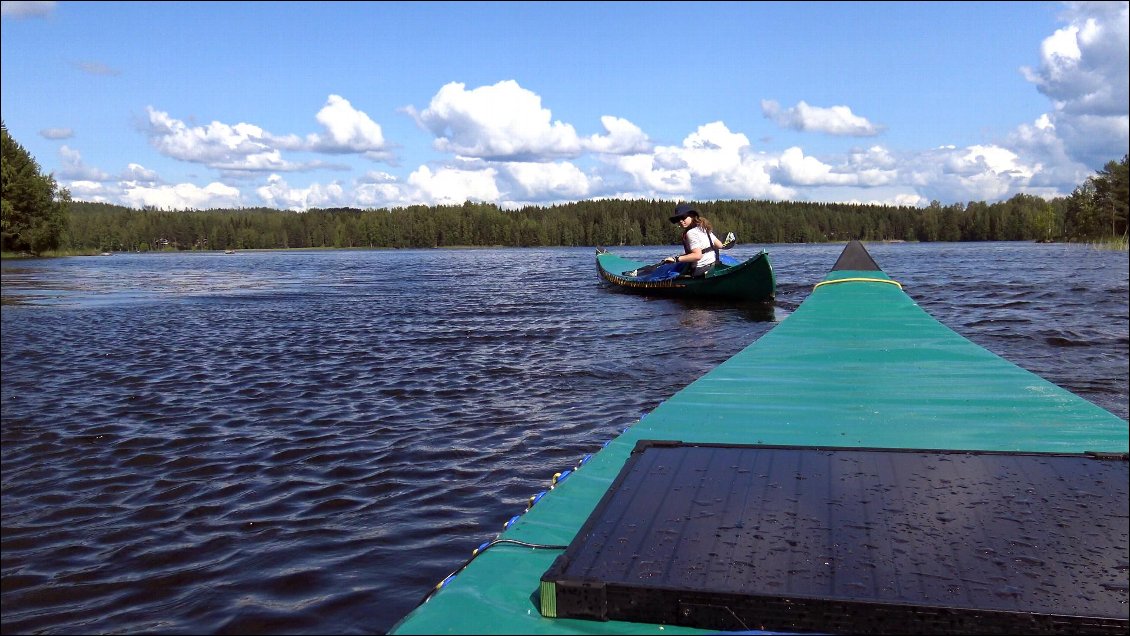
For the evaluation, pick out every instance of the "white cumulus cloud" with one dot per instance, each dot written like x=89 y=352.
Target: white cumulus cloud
x=503 y=145
x=348 y=130
x=834 y=120
x=712 y=162
x=1084 y=70
x=450 y=186
x=217 y=145
x=561 y=181
x=794 y=168
x=139 y=173
x=246 y=147
x=183 y=196
x=623 y=138
x=503 y=122
x=975 y=173
x=277 y=193
x=26 y=9
x=57 y=133
x=73 y=167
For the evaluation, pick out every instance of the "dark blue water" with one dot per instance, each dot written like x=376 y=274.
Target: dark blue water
x=307 y=442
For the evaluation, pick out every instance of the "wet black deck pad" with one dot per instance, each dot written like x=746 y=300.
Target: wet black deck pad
x=853 y=540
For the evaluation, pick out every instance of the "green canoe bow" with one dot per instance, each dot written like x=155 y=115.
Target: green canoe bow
x=858 y=364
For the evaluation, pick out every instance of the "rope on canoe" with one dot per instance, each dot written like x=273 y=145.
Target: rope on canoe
x=483 y=548
x=859 y=280
x=557 y=479
x=498 y=540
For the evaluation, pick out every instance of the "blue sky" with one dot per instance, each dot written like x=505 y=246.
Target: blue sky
x=296 y=105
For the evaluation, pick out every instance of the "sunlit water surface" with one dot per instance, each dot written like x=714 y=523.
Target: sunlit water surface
x=307 y=442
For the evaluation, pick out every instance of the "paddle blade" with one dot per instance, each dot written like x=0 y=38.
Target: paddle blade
x=643 y=271
x=658 y=271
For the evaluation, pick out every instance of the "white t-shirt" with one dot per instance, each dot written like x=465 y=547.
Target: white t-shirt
x=697 y=237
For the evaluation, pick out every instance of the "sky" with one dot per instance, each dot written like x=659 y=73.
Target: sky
x=299 y=105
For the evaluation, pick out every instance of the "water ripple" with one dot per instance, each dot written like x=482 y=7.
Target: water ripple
x=301 y=442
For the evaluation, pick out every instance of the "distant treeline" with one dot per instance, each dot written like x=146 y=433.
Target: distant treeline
x=104 y=227
x=39 y=217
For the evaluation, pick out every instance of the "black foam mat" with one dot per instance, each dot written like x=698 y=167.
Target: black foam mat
x=853 y=540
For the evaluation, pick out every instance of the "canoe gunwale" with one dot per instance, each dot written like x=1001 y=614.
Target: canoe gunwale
x=856 y=366
x=728 y=282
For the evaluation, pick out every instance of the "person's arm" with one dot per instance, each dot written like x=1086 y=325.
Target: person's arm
x=697 y=240
x=690 y=257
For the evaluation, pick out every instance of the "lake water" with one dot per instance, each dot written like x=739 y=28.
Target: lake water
x=307 y=442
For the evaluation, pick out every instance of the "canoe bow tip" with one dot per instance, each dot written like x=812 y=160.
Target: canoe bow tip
x=856 y=257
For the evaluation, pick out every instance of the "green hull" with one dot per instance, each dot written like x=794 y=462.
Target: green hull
x=858 y=364
x=749 y=280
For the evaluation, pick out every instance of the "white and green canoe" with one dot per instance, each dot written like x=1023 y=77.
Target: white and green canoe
x=859 y=468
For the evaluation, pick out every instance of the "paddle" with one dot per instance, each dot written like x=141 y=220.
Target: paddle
x=730 y=241
x=645 y=270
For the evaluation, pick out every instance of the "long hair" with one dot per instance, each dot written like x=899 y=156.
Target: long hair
x=699 y=221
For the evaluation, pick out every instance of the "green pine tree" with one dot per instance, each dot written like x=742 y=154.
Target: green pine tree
x=34 y=214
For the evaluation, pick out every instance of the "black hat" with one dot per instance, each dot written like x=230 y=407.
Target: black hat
x=683 y=210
